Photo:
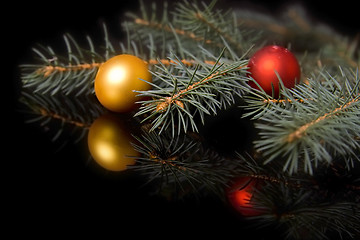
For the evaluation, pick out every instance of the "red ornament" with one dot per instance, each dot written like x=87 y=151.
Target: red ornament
x=268 y=61
x=240 y=195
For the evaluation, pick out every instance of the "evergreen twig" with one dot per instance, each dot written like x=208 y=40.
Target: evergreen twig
x=65 y=74
x=63 y=111
x=184 y=92
x=181 y=161
x=315 y=123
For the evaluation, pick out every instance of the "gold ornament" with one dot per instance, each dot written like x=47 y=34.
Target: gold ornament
x=116 y=80
x=109 y=143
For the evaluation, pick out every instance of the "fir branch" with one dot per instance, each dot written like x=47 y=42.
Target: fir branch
x=190 y=25
x=302 y=206
x=209 y=22
x=318 y=122
x=303 y=216
x=74 y=114
x=181 y=161
x=293 y=27
x=48 y=70
x=258 y=102
x=251 y=167
x=183 y=92
x=301 y=131
x=186 y=62
x=165 y=27
x=77 y=71
x=65 y=74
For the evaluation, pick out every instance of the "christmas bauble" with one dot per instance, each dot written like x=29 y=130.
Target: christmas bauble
x=269 y=64
x=240 y=196
x=109 y=143
x=117 y=79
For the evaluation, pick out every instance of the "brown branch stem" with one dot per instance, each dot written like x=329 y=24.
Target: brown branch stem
x=167 y=28
x=47 y=70
x=167 y=101
x=301 y=131
x=47 y=113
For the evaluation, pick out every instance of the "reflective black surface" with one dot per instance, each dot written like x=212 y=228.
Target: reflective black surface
x=54 y=186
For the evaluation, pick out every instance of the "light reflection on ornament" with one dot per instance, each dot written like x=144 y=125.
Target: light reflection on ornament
x=117 y=75
x=109 y=143
x=269 y=65
x=105 y=151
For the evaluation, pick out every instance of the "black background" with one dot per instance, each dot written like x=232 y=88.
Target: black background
x=48 y=192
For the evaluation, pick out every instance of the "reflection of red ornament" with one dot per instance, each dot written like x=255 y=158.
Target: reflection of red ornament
x=269 y=61
x=240 y=196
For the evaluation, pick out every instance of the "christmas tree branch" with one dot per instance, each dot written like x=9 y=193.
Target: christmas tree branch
x=66 y=74
x=181 y=161
x=301 y=204
x=183 y=92
x=56 y=76
x=176 y=98
x=301 y=131
x=301 y=216
x=190 y=25
x=48 y=70
x=323 y=46
x=324 y=124
x=215 y=21
x=169 y=29
x=47 y=113
x=51 y=111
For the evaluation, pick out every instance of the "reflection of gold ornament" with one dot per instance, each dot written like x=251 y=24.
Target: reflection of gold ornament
x=117 y=78
x=109 y=143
